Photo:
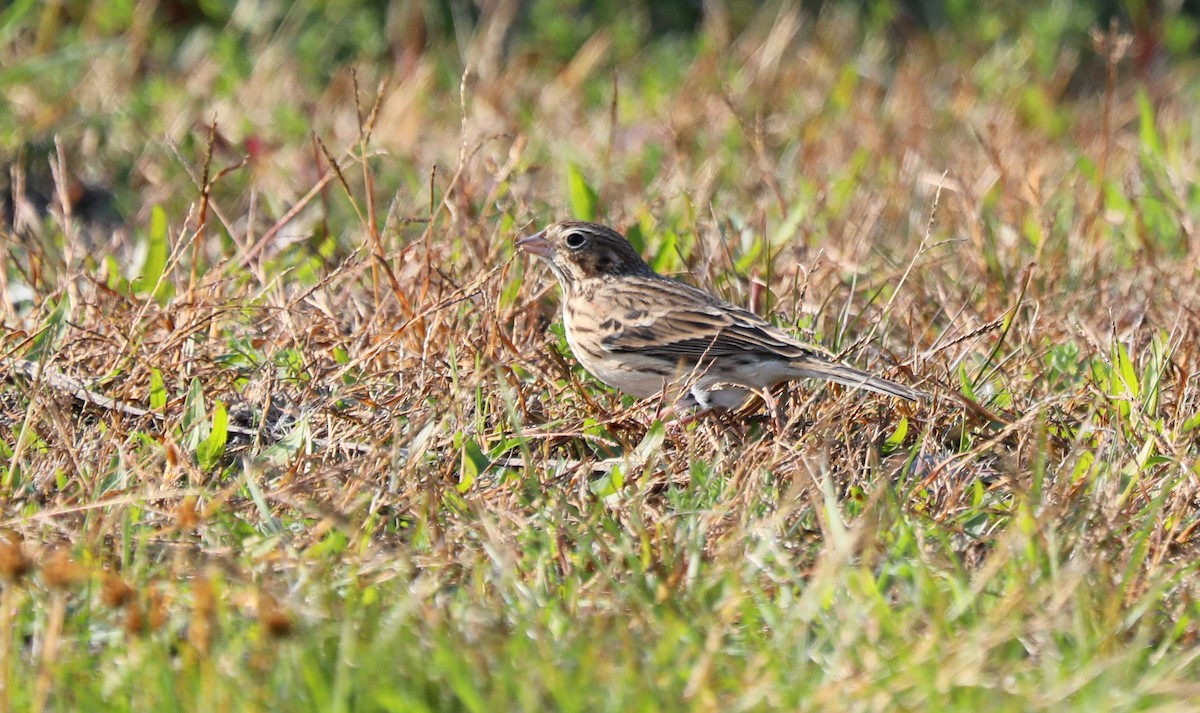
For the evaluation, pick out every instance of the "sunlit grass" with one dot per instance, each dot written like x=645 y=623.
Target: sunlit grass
x=299 y=438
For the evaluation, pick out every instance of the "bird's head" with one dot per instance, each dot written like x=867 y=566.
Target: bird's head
x=577 y=251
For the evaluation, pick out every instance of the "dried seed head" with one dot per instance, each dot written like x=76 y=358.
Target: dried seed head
x=135 y=623
x=15 y=564
x=1112 y=45
x=186 y=516
x=159 y=608
x=204 y=599
x=61 y=572
x=115 y=593
x=275 y=621
x=203 y=608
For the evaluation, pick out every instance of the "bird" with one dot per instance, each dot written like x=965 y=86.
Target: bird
x=645 y=334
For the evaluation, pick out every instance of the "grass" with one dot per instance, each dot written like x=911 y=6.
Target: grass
x=285 y=424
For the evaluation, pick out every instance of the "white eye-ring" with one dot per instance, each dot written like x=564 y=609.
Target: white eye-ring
x=576 y=240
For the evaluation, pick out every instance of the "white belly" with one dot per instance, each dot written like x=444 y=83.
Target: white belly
x=628 y=373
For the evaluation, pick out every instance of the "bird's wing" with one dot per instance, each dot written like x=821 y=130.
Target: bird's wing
x=668 y=321
x=681 y=323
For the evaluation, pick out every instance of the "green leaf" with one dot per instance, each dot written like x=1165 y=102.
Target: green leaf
x=1145 y=455
x=292 y=362
x=296 y=440
x=896 y=440
x=158 y=391
x=157 y=252
x=603 y=443
x=652 y=442
x=610 y=483
x=636 y=237
x=11 y=19
x=116 y=281
x=746 y=260
x=48 y=335
x=844 y=88
x=844 y=188
x=1148 y=136
x=965 y=380
x=786 y=232
x=334 y=543
x=1127 y=380
x=195 y=425
x=583 y=197
x=1083 y=466
x=1039 y=110
x=210 y=452
x=269 y=523
x=667 y=257
x=474 y=463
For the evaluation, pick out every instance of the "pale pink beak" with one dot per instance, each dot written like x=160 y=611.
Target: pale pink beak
x=536 y=244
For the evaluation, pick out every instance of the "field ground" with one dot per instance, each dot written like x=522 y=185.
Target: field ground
x=285 y=424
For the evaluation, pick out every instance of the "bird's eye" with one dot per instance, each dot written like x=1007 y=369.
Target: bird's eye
x=576 y=240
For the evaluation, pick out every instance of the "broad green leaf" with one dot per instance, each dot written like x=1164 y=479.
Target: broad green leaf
x=583 y=196
x=474 y=463
x=1152 y=374
x=1148 y=136
x=116 y=281
x=213 y=448
x=157 y=252
x=1127 y=380
x=747 y=259
x=836 y=533
x=636 y=238
x=666 y=259
x=786 y=232
x=965 y=380
x=847 y=185
x=298 y=439
x=1083 y=466
x=334 y=543
x=896 y=440
x=510 y=292
x=195 y=425
x=1145 y=455
x=652 y=442
x=158 y=391
x=610 y=483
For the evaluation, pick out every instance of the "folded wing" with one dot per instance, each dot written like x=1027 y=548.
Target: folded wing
x=689 y=325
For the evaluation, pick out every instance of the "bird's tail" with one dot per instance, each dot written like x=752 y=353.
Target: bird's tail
x=854 y=378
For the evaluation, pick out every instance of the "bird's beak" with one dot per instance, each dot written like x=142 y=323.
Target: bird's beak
x=536 y=244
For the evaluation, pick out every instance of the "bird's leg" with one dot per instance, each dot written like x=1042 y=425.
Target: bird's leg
x=697 y=400
x=694 y=416
x=676 y=415
x=784 y=395
x=664 y=413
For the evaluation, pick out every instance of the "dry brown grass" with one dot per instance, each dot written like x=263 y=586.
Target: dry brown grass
x=916 y=217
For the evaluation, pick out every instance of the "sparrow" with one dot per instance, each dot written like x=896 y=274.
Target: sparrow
x=644 y=334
